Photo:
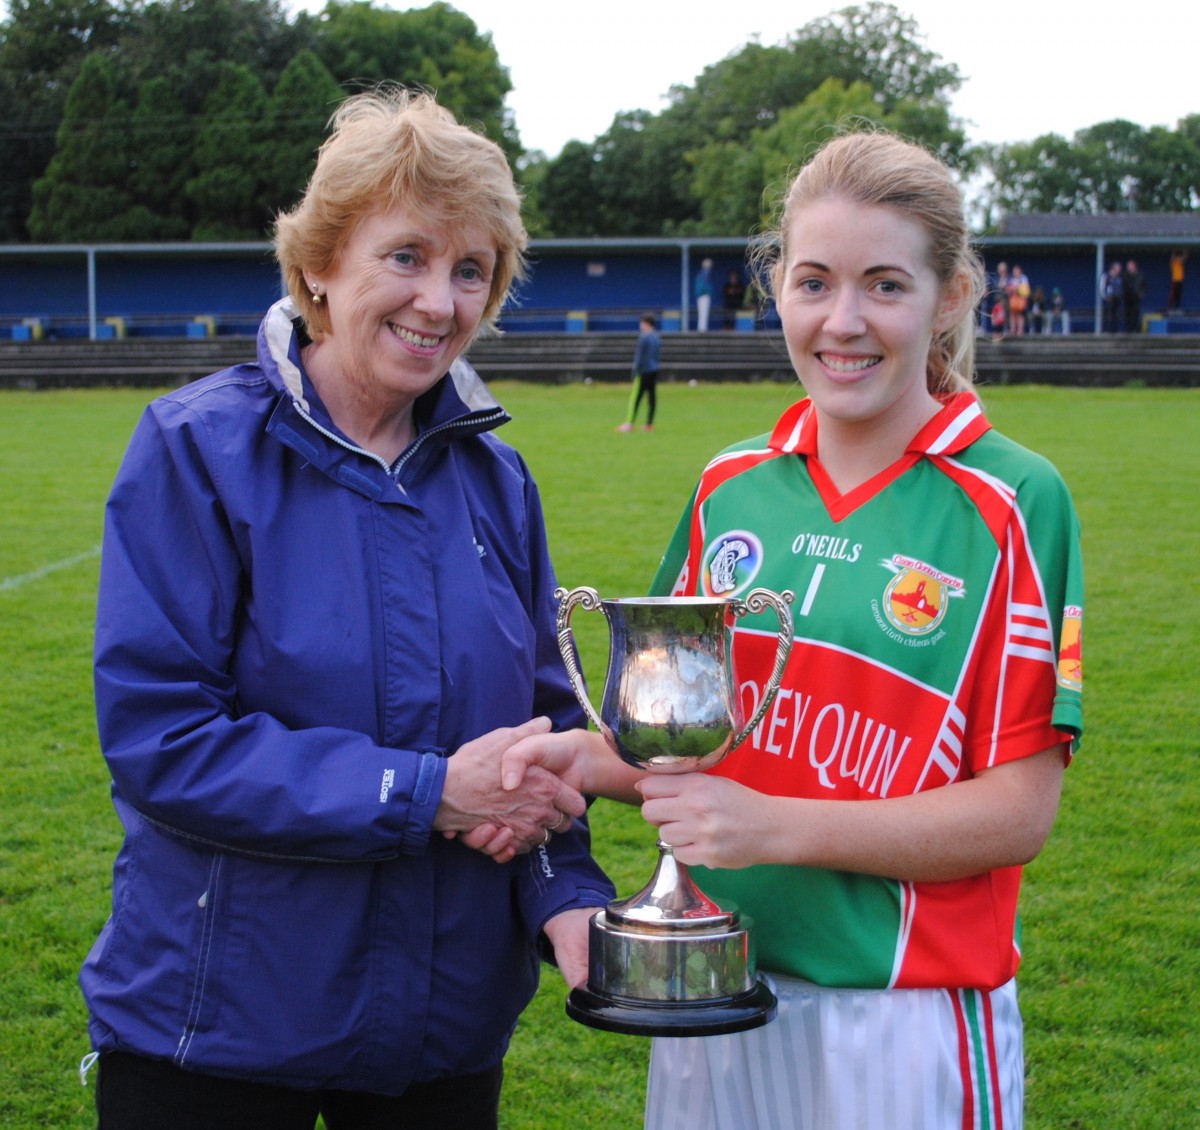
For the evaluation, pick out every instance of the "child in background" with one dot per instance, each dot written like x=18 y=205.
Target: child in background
x=645 y=374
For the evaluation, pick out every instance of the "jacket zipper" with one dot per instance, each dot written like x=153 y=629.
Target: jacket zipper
x=394 y=470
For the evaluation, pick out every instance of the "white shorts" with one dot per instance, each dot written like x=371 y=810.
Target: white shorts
x=850 y=1059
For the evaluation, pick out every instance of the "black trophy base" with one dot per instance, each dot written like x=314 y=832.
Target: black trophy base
x=716 y=1017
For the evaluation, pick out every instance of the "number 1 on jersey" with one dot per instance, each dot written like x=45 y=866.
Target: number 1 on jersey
x=811 y=593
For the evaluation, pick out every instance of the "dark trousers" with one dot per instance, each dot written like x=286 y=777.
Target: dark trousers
x=135 y=1093
x=647 y=386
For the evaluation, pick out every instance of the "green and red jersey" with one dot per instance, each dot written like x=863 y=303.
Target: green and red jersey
x=937 y=633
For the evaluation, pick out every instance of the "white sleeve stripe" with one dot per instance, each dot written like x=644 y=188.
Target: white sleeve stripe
x=1031 y=632
x=1044 y=655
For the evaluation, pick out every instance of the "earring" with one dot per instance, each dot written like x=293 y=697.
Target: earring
x=316 y=295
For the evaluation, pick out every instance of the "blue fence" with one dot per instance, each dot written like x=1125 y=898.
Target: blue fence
x=573 y=286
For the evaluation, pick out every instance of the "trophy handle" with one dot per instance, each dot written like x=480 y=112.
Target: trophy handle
x=589 y=600
x=758 y=600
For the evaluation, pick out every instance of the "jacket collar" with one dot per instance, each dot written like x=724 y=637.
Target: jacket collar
x=459 y=404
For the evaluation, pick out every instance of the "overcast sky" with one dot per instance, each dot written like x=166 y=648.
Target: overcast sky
x=1031 y=68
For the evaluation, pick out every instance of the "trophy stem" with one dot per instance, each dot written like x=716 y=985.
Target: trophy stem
x=671 y=900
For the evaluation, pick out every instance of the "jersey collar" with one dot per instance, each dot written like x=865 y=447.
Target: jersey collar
x=958 y=424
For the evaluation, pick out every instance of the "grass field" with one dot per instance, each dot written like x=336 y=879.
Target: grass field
x=1112 y=944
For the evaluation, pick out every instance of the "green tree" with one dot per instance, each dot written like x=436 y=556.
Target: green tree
x=1169 y=171
x=874 y=44
x=42 y=47
x=226 y=188
x=83 y=194
x=297 y=114
x=190 y=45
x=1110 y=151
x=743 y=92
x=879 y=45
x=437 y=48
x=636 y=178
x=531 y=175
x=1112 y=166
x=735 y=100
x=567 y=191
x=183 y=42
x=739 y=185
x=161 y=160
x=1042 y=175
x=1189 y=127
x=187 y=41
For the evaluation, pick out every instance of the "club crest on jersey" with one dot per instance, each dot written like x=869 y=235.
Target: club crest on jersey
x=916 y=597
x=731 y=562
x=1070 y=649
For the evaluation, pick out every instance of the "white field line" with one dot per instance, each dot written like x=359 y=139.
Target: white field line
x=9 y=583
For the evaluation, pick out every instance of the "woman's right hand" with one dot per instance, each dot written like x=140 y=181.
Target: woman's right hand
x=522 y=816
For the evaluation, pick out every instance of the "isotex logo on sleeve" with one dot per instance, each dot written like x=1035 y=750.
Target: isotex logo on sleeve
x=385 y=786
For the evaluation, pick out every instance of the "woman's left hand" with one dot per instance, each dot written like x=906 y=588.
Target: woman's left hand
x=499 y=843
x=568 y=933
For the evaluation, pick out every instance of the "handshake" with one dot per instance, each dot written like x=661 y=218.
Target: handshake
x=510 y=790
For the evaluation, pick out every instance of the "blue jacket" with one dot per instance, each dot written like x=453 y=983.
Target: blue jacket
x=649 y=350
x=291 y=638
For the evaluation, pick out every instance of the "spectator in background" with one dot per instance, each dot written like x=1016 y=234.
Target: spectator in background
x=734 y=295
x=1133 y=290
x=1058 y=317
x=999 y=314
x=1175 y=295
x=1111 y=299
x=704 y=294
x=997 y=302
x=1037 y=311
x=1018 y=300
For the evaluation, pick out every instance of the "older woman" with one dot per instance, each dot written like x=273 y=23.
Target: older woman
x=325 y=611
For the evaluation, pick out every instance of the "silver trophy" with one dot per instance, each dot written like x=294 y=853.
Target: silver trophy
x=669 y=961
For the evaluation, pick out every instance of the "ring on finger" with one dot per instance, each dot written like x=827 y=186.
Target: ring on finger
x=557 y=823
x=545 y=837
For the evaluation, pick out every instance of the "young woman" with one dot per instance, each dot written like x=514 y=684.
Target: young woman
x=875 y=824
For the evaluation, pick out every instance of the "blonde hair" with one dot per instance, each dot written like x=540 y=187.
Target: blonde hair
x=878 y=168
x=389 y=148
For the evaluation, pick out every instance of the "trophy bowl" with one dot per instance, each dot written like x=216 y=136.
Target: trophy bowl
x=669 y=960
